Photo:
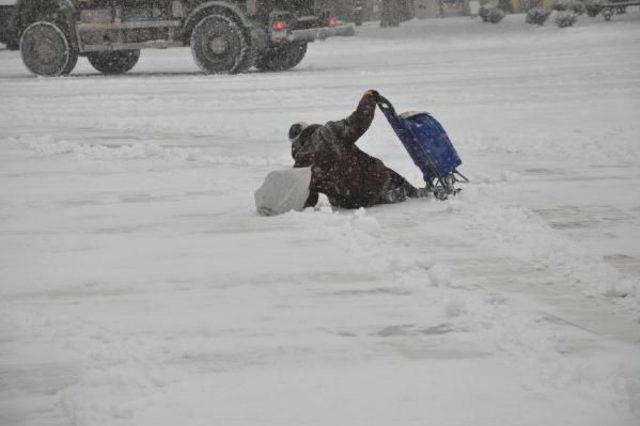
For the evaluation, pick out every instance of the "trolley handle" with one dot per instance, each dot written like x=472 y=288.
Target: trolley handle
x=385 y=105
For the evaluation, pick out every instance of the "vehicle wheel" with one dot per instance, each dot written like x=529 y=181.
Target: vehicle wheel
x=114 y=62
x=282 y=58
x=219 y=46
x=593 y=10
x=73 y=60
x=46 y=51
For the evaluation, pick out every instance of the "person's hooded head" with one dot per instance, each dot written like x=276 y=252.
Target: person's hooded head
x=299 y=134
x=296 y=130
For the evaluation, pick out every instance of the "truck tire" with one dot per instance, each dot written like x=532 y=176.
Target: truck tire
x=46 y=50
x=114 y=62
x=73 y=60
x=281 y=58
x=219 y=46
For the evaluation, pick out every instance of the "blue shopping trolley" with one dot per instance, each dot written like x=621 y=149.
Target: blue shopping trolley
x=428 y=146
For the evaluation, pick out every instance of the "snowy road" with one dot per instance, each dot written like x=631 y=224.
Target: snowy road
x=139 y=287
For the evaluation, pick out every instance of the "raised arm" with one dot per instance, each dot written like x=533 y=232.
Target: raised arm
x=350 y=129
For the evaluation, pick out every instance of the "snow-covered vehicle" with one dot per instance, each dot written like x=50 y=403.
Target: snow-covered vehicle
x=616 y=7
x=226 y=36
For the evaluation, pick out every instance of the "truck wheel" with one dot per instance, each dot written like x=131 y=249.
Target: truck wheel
x=282 y=58
x=219 y=46
x=45 y=50
x=115 y=62
x=73 y=60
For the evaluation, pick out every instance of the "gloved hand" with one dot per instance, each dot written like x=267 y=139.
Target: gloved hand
x=373 y=93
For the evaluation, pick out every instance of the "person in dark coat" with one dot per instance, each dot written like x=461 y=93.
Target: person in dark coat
x=349 y=177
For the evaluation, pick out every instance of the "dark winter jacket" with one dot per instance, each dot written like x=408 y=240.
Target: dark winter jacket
x=348 y=176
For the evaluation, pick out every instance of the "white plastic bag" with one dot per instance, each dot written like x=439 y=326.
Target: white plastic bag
x=283 y=190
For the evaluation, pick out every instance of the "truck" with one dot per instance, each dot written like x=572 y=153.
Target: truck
x=225 y=36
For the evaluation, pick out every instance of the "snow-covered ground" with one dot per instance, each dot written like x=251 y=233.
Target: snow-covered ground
x=139 y=287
